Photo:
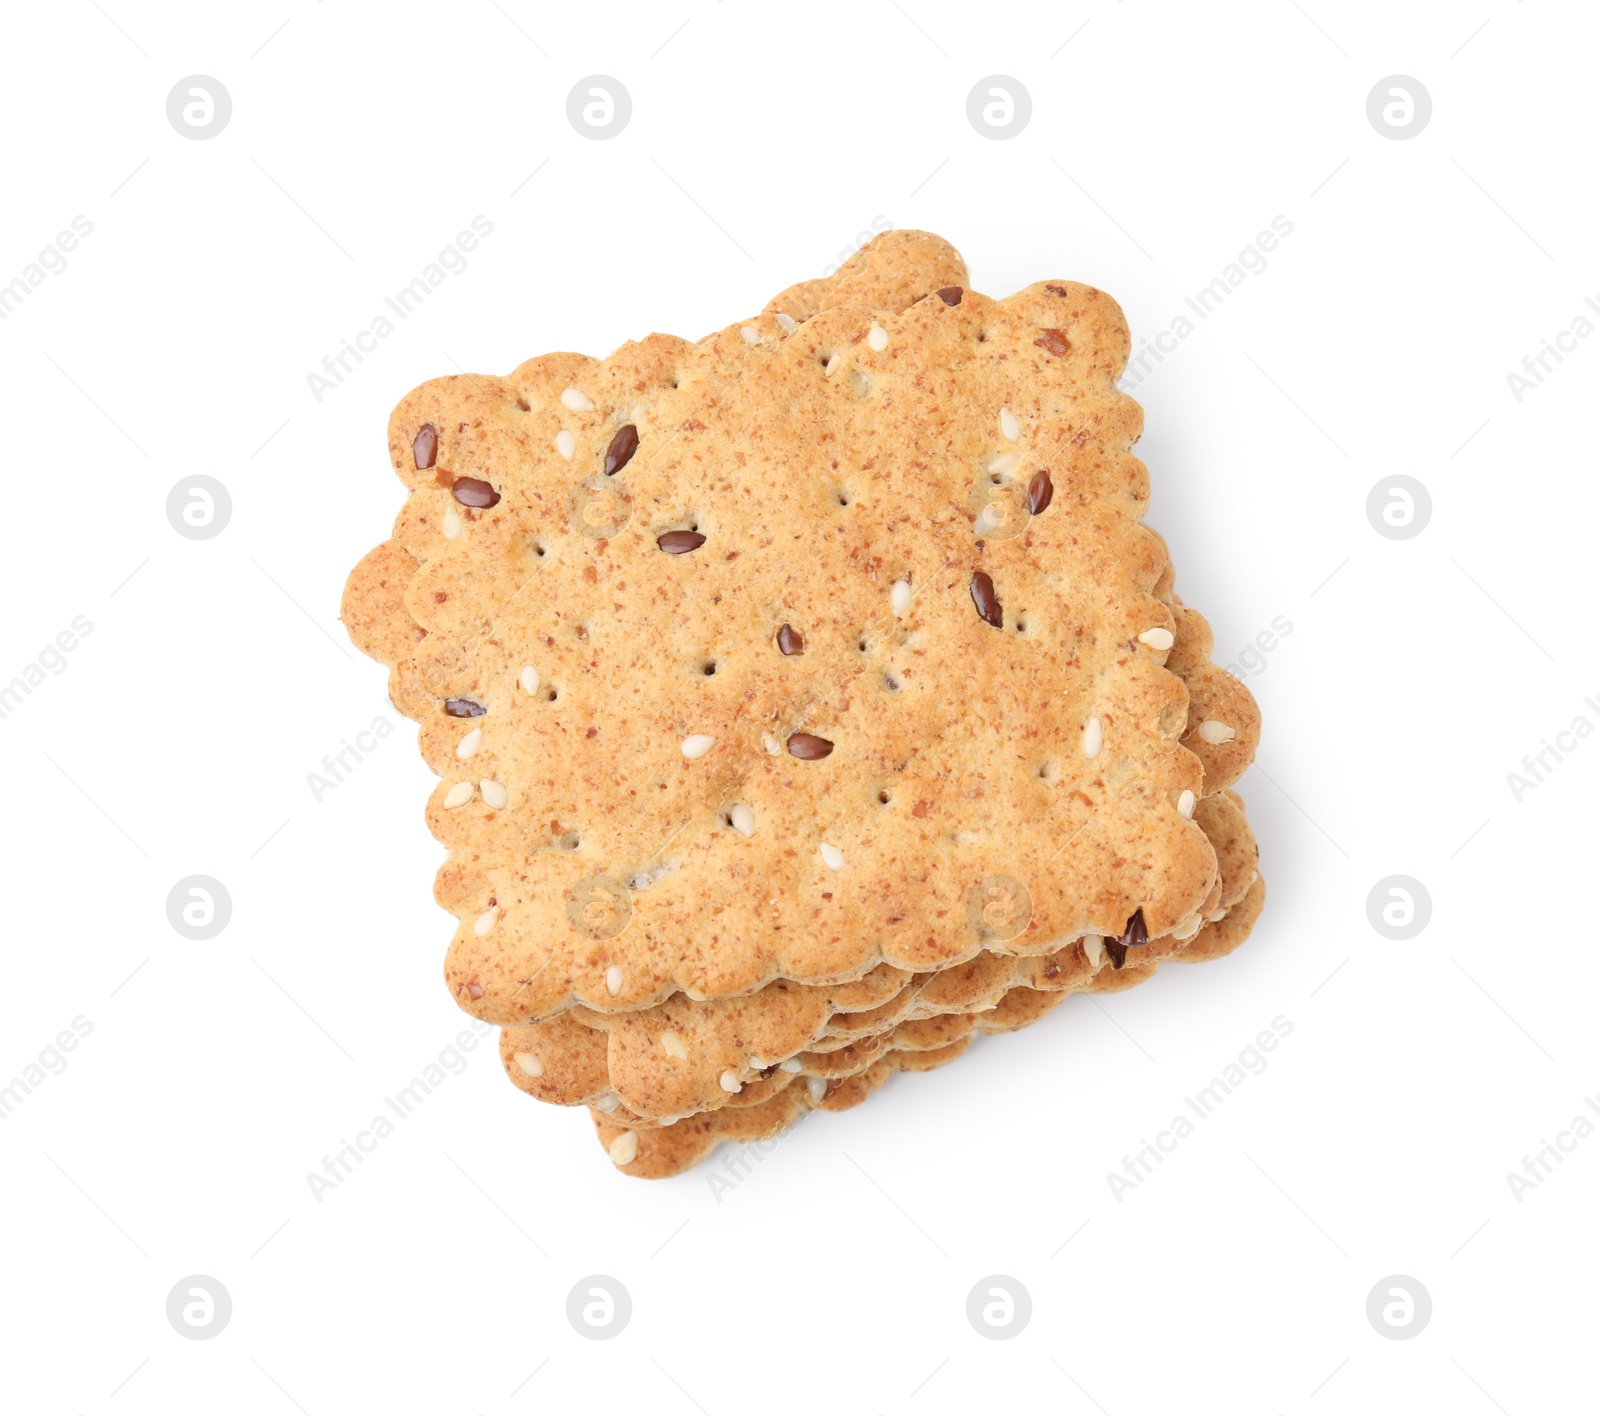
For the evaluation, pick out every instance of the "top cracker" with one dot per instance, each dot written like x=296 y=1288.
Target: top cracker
x=829 y=641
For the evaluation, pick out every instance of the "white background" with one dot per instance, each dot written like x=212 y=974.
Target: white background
x=834 y=1277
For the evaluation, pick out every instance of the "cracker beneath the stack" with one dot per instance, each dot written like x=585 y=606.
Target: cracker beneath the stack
x=805 y=699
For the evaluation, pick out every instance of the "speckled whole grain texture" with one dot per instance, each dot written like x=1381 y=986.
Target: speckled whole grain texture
x=823 y=464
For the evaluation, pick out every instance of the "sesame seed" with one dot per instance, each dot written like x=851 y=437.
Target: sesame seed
x=1093 y=951
x=673 y=1046
x=1010 y=429
x=1216 y=733
x=608 y=1102
x=788 y=323
x=1158 y=638
x=614 y=980
x=566 y=444
x=900 y=596
x=529 y=679
x=495 y=794
x=988 y=519
x=729 y=1081
x=1006 y=463
x=832 y=856
x=697 y=745
x=878 y=337
x=625 y=1149
x=458 y=795
x=1188 y=927
x=530 y=1064
x=756 y=1063
x=791 y=1065
x=1093 y=738
x=833 y=363
x=751 y=334
x=771 y=744
x=818 y=1088
x=576 y=401
x=742 y=819
x=485 y=922
x=470 y=743
x=450 y=523
x=1186 y=803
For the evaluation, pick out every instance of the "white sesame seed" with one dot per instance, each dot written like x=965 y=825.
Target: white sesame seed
x=989 y=518
x=788 y=323
x=485 y=922
x=1216 y=733
x=791 y=1065
x=743 y=819
x=1005 y=464
x=470 y=743
x=900 y=596
x=878 y=337
x=1010 y=429
x=729 y=1082
x=673 y=1046
x=530 y=1064
x=608 y=1102
x=1188 y=927
x=697 y=745
x=450 y=524
x=576 y=401
x=1093 y=950
x=772 y=745
x=625 y=1149
x=614 y=980
x=832 y=856
x=751 y=334
x=1186 y=803
x=495 y=794
x=756 y=1063
x=818 y=1087
x=1093 y=737
x=458 y=795
x=1158 y=638
x=833 y=363
x=566 y=444
x=529 y=679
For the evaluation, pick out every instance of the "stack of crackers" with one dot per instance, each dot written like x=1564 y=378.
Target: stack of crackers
x=806 y=701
